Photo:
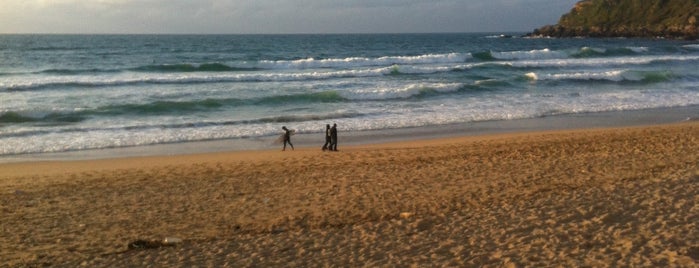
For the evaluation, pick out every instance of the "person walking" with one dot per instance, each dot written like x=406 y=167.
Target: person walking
x=328 y=140
x=287 y=138
x=333 y=138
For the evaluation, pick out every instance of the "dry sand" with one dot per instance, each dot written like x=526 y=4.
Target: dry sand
x=599 y=197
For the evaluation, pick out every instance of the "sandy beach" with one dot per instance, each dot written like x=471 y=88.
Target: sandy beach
x=603 y=197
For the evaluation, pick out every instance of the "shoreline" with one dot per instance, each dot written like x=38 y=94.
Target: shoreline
x=309 y=140
x=598 y=197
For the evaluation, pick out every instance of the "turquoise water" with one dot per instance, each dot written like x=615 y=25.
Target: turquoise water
x=76 y=92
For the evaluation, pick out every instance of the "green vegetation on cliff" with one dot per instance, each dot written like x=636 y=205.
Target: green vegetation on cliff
x=628 y=18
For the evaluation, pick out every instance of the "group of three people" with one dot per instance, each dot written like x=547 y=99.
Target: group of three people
x=330 y=138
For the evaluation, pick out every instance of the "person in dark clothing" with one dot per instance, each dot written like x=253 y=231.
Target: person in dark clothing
x=333 y=138
x=328 y=140
x=287 y=138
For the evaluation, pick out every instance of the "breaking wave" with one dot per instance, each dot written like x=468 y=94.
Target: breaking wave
x=610 y=76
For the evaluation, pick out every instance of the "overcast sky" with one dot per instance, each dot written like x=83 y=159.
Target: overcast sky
x=277 y=16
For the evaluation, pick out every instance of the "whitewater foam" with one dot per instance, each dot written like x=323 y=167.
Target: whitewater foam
x=354 y=62
x=177 y=89
x=20 y=83
x=529 y=55
x=388 y=92
x=610 y=75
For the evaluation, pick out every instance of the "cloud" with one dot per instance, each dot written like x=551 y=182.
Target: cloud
x=276 y=16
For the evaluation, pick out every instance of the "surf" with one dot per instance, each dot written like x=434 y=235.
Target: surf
x=614 y=76
x=186 y=68
x=119 y=91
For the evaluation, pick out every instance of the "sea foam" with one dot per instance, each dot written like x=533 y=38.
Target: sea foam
x=142 y=90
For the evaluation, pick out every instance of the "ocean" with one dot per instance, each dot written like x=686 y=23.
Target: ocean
x=62 y=93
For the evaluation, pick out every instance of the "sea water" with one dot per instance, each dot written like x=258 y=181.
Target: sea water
x=77 y=92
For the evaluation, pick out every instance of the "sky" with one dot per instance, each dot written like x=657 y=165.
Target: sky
x=277 y=16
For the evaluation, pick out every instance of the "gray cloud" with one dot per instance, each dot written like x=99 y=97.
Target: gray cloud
x=276 y=16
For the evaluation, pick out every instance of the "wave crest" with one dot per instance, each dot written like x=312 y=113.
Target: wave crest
x=403 y=92
x=353 y=62
x=611 y=76
x=183 y=68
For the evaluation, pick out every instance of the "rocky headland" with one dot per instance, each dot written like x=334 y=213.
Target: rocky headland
x=673 y=19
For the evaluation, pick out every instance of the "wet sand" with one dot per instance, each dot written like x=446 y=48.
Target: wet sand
x=597 y=197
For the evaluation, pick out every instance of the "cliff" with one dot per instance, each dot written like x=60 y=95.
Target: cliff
x=628 y=18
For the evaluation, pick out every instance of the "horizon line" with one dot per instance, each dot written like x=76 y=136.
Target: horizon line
x=300 y=33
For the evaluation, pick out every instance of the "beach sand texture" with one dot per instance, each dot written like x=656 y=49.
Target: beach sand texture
x=596 y=197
